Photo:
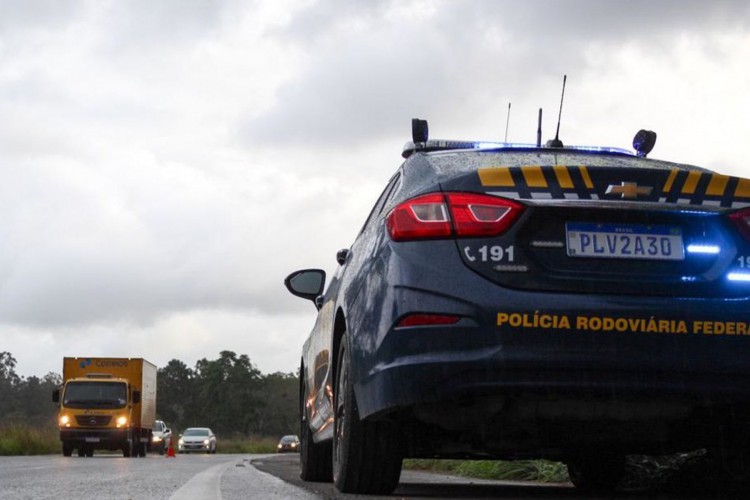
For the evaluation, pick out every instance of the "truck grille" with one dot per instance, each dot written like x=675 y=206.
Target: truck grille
x=93 y=420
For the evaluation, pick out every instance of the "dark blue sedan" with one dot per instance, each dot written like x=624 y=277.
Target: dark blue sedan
x=522 y=301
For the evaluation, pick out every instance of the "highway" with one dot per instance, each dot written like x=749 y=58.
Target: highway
x=233 y=477
x=186 y=477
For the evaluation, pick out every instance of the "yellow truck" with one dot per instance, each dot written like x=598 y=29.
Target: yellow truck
x=106 y=404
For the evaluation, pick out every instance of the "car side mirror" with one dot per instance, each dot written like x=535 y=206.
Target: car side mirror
x=56 y=396
x=307 y=283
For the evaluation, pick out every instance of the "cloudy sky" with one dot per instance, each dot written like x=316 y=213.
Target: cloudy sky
x=164 y=165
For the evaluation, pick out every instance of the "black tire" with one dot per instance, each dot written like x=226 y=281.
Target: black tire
x=127 y=449
x=81 y=451
x=89 y=451
x=597 y=472
x=366 y=455
x=67 y=449
x=316 y=459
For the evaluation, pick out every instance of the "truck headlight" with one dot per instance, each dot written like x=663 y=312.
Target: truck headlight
x=122 y=421
x=64 y=421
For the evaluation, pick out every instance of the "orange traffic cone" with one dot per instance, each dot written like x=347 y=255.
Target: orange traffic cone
x=170 y=449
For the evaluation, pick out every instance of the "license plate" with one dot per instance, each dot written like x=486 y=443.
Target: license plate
x=615 y=241
x=92 y=440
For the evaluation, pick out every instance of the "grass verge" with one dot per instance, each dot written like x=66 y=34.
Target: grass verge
x=515 y=470
x=247 y=444
x=24 y=440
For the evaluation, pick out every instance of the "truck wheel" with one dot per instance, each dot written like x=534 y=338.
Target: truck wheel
x=67 y=449
x=315 y=458
x=127 y=449
x=89 y=451
x=81 y=451
x=366 y=455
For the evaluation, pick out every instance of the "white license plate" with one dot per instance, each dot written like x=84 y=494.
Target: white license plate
x=615 y=241
x=92 y=440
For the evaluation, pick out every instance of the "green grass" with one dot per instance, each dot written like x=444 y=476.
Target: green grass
x=24 y=440
x=517 y=470
x=247 y=444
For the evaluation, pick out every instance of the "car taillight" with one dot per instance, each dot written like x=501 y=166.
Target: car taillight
x=742 y=219
x=420 y=218
x=419 y=319
x=444 y=215
x=482 y=215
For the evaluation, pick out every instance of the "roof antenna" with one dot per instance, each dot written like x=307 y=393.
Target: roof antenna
x=507 y=122
x=556 y=142
x=539 y=130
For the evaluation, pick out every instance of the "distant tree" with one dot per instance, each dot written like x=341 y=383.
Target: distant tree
x=9 y=382
x=35 y=400
x=227 y=389
x=175 y=393
x=279 y=406
x=25 y=400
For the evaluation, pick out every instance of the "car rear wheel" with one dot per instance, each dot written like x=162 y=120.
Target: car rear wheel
x=366 y=455
x=315 y=458
x=597 y=472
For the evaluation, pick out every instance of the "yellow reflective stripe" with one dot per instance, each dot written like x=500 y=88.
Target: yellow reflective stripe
x=670 y=180
x=718 y=185
x=496 y=176
x=586 y=178
x=691 y=182
x=743 y=188
x=534 y=177
x=563 y=177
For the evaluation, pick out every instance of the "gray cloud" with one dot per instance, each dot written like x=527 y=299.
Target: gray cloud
x=165 y=166
x=369 y=67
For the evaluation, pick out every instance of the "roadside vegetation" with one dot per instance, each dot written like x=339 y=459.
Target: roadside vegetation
x=247 y=444
x=25 y=440
x=510 y=470
x=248 y=411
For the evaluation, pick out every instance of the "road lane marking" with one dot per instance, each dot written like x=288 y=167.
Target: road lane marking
x=204 y=485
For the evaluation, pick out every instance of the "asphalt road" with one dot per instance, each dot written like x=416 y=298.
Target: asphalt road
x=235 y=477
x=186 y=477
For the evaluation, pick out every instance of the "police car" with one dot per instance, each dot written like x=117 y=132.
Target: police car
x=531 y=301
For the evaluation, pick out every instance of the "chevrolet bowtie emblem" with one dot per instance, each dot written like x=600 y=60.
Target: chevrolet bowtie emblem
x=629 y=190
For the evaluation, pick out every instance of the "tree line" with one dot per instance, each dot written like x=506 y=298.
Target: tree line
x=228 y=394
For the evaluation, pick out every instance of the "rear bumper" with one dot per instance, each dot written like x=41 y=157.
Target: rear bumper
x=543 y=363
x=514 y=341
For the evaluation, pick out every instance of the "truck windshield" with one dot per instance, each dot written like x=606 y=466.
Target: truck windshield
x=95 y=395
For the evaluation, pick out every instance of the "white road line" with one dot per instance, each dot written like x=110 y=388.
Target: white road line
x=252 y=484
x=204 y=485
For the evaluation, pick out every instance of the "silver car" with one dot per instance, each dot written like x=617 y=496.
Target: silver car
x=161 y=437
x=197 y=439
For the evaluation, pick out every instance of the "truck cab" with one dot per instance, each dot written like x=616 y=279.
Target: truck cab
x=106 y=410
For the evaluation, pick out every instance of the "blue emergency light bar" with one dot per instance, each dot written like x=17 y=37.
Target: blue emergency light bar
x=448 y=145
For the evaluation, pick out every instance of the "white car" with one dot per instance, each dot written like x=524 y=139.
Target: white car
x=161 y=437
x=197 y=439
